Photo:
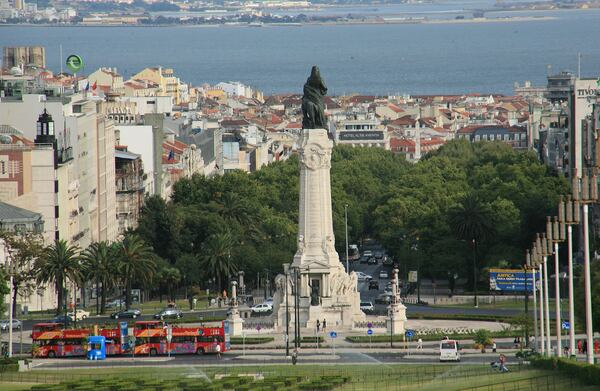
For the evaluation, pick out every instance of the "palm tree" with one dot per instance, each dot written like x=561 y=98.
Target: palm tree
x=99 y=263
x=59 y=262
x=216 y=257
x=472 y=220
x=136 y=262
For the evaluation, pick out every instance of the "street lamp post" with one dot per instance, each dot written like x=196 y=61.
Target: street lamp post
x=569 y=212
x=556 y=235
x=475 y=298
x=547 y=248
x=286 y=268
x=346 y=224
x=529 y=266
x=587 y=193
x=540 y=251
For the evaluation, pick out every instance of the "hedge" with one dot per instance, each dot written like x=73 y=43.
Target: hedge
x=251 y=340
x=429 y=337
x=586 y=373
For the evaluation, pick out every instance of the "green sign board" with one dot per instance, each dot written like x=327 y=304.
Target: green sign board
x=74 y=63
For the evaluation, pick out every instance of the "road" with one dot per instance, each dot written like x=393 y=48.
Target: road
x=371 y=295
x=237 y=358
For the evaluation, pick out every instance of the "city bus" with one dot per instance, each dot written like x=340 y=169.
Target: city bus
x=151 y=339
x=53 y=340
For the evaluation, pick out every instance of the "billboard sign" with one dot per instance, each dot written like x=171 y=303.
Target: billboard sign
x=361 y=135
x=511 y=280
x=413 y=276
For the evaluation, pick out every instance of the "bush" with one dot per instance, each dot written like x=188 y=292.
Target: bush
x=585 y=373
x=251 y=340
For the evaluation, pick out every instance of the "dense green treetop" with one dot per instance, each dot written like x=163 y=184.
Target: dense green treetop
x=407 y=207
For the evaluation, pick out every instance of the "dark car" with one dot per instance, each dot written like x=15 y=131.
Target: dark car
x=374 y=284
x=372 y=261
x=64 y=319
x=130 y=313
x=364 y=259
x=169 y=313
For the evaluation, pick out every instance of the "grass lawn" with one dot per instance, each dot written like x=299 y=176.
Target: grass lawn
x=355 y=377
x=504 y=304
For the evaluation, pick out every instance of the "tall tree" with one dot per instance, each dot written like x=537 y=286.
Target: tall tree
x=23 y=249
x=136 y=263
x=59 y=262
x=472 y=221
x=216 y=257
x=99 y=263
x=155 y=227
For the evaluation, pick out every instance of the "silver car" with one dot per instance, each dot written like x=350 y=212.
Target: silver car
x=16 y=325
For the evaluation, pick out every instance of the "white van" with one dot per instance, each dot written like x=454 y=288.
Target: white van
x=449 y=350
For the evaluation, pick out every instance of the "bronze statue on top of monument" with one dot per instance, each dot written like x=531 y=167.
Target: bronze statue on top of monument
x=313 y=107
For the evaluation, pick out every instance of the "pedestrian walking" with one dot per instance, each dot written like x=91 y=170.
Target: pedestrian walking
x=294 y=356
x=420 y=344
x=566 y=351
x=218 y=349
x=494 y=347
x=596 y=346
x=324 y=324
x=584 y=347
x=579 y=347
x=502 y=360
x=318 y=325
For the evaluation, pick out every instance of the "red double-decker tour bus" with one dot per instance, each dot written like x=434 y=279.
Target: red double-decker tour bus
x=53 y=340
x=151 y=339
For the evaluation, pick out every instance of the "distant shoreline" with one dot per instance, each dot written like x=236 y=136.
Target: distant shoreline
x=370 y=21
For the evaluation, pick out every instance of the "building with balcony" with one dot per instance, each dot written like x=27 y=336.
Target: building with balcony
x=129 y=176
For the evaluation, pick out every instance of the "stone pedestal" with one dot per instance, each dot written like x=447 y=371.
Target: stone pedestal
x=396 y=310
x=325 y=290
x=235 y=322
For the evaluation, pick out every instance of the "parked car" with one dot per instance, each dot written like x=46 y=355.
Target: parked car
x=383 y=274
x=16 y=325
x=169 y=313
x=79 y=314
x=62 y=318
x=366 y=306
x=363 y=277
x=261 y=308
x=383 y=298
x=374 y=284
x=130 y=313
x=115 y=303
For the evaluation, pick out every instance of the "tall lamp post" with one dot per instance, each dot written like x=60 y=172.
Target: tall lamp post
x=286 y=269
x=544 y=251
x=587 y=194
x=555 y=235
x=547 y=248
x=569 y=213
x=530 y=266
x=346 y=224
x=537 y=261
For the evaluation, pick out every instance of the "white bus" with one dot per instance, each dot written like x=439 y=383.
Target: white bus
x=449 y=350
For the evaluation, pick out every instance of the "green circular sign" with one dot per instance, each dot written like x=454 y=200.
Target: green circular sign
x=74 y=63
